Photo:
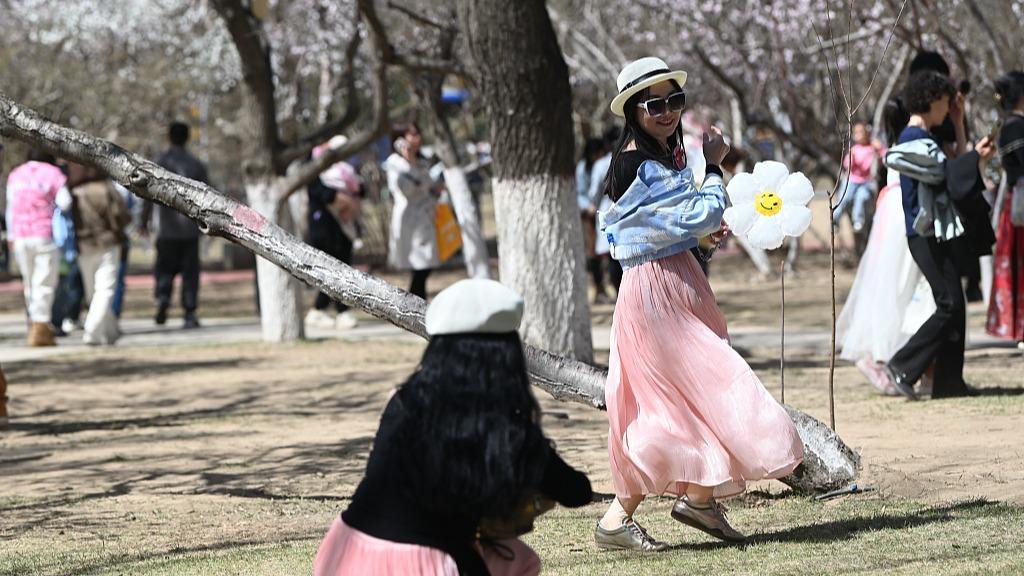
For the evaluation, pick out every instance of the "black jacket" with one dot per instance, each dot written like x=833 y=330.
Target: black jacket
x=381 y=508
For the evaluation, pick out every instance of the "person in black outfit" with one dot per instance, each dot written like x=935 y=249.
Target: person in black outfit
x=325 y=233
x=953 y=140
x=928 y=97
x=177 y=236
x=459 y=447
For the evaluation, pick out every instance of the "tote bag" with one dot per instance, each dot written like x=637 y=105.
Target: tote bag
x=449 y=235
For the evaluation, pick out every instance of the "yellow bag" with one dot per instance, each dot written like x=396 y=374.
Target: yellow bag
x=449 y=235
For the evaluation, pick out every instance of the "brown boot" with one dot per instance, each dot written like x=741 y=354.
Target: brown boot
x=40 y=334
x=3 y=399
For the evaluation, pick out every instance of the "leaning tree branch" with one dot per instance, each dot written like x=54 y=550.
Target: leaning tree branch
x=828 y=462
x=220 y=215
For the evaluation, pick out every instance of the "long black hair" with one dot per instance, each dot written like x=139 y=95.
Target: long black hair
x=645 y=143
x=1010 y=89
x=894 y=120
x=470 y=432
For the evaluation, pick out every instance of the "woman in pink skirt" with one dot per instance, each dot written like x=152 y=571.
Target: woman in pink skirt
x=459 y=466
x=687 y=416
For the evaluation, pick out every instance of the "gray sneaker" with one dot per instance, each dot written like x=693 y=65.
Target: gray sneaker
x=709 y=518
x=629 y=536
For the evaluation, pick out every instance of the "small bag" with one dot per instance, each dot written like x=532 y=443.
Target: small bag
x=449 y=235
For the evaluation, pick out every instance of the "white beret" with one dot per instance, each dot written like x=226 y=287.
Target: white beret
x=474 y=306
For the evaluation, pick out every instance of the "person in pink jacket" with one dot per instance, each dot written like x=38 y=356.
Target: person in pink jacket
x=32 y=191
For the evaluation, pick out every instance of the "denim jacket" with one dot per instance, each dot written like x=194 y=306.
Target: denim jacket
x=662 y=213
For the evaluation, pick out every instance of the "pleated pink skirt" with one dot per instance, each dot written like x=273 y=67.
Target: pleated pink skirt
x=346 y=551
x=683 y=406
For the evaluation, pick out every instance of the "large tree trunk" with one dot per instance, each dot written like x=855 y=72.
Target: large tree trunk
x=829 y=462
x=524 y=81
x=280 y=294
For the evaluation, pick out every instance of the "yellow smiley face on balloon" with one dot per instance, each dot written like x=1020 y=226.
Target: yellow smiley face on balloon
x=768 y=203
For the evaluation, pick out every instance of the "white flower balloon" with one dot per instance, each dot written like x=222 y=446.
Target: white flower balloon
x=769 y=204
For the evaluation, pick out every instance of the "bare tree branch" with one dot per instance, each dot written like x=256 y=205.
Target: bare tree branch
x=254 y=55
x=874 y=74
x=352 y=109
x=310 y=170
x=417 y=17
x=994 y=40
x=410 y=62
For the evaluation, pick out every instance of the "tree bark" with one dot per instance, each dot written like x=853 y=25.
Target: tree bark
x=524 y=83
x=280 y=295
x=829 y=462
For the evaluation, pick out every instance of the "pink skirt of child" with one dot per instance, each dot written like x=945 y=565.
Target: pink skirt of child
x=683 y=406
x=346 y=551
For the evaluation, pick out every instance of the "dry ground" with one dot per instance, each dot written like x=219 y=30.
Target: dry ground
x=144 y=455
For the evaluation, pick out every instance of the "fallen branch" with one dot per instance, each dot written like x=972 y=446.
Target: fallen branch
x=829 y=462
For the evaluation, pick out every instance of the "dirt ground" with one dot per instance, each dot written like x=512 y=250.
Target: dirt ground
x=202 y=448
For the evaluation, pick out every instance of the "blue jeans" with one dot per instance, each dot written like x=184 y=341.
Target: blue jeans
x=858 y=196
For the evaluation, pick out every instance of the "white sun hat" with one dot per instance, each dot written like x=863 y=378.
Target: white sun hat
x=640 y=74
x=474 y=306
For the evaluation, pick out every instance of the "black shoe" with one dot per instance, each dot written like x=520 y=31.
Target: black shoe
x=161 y=316
x=191 y=321
x=900 y=382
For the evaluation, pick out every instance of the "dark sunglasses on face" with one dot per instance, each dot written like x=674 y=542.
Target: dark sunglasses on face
x=674 y=102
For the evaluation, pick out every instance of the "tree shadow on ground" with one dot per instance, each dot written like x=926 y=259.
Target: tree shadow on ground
x=107 y=368
x=999 y=391
x=156 y=421
x=837 y=530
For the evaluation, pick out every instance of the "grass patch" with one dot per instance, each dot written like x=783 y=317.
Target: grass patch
x=789 y=536
x=800 y=536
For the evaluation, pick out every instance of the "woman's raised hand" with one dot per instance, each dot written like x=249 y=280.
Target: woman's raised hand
x=715 y=147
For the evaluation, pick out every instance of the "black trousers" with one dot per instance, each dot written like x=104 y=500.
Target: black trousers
x=941 y=338
x=614 y=272
x=327 y=236
x=418 y=283
x=176 y=256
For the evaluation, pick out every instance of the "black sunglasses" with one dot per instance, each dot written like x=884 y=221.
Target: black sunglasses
x=674 y=102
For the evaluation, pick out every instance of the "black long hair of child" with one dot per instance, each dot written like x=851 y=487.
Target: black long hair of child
x=470 y=436
x=645 y=143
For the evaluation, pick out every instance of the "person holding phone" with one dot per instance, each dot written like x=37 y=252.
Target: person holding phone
x=413 y=241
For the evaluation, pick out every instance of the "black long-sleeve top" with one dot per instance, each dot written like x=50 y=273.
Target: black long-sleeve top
x=1010 y=147
x=382 y=509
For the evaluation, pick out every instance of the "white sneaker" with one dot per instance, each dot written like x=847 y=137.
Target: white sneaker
x=346 y=321
x=68 y=326
x=319 y=319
